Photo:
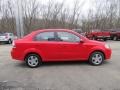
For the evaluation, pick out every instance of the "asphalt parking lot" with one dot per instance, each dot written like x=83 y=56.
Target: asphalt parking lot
x=15 y=75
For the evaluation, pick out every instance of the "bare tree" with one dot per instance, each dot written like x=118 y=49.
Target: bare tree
x=55 y=14
x=76 y=11
x=30 y=12
x=7 y=22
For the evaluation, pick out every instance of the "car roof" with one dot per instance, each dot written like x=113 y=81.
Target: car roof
x=30 y=36
x=54 y=30
x=47 y=30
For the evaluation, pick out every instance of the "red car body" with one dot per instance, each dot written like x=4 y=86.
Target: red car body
x=98 y=34
x=57 y=50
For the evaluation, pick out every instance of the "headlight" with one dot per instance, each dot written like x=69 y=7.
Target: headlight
x=107 y=46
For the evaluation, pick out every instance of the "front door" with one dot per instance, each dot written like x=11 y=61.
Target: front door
x=71 y=48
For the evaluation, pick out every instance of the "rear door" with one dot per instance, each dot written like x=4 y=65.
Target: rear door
x=47 y=45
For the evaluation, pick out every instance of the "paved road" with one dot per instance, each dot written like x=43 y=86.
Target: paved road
x=60 y=76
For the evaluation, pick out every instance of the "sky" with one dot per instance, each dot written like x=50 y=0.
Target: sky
x=88 y=4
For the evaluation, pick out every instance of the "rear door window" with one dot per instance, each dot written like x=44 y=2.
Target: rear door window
x=45 y=36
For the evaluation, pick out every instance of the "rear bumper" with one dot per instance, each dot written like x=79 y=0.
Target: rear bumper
x=15 y=54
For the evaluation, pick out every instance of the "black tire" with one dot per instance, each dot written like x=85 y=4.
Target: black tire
x=9 y=41
x=105 y=39
x=115 y=38
x=36 y=63
x=98 y=61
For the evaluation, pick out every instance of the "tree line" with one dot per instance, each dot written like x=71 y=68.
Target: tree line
x=105 y=14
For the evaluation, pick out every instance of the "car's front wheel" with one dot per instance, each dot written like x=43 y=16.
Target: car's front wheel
x=33 y=60
x=105 y=39
x=96 y=58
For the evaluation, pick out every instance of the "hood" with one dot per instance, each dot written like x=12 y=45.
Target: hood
x=96 y=42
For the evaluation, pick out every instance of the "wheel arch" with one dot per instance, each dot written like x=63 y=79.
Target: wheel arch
x=97 y=51
x=32 y=51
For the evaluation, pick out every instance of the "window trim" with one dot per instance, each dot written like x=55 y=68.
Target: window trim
x=34 y=38
x=70 y=33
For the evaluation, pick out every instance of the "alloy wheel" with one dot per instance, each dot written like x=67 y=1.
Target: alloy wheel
x=96 y=58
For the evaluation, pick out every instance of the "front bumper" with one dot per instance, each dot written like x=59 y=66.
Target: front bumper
x=108 y=54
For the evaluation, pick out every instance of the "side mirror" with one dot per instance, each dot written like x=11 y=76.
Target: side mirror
x=81 y=41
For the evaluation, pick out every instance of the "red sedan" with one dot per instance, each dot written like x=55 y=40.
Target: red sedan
x=58 y=45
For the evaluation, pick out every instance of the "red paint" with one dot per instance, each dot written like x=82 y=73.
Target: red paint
x=98 y=34
x=57 y=50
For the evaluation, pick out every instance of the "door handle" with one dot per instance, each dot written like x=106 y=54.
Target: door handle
x=36 y=45
x=63 y=46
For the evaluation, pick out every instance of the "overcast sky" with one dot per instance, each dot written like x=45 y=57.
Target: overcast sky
x=88 y=4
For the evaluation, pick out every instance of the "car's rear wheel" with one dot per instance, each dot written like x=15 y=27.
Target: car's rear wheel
x=33 y=60
x=115 y=38
x=9 y=41
x=96 y=58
